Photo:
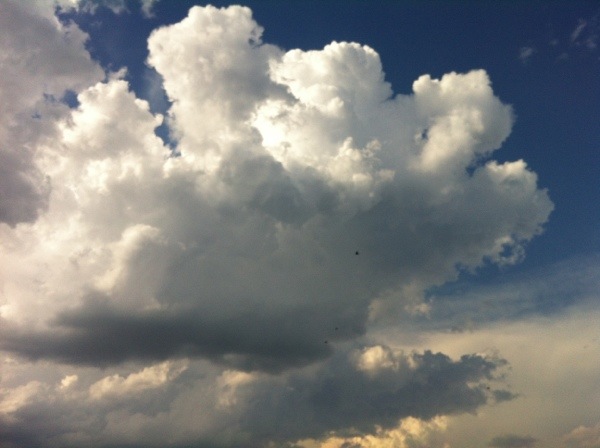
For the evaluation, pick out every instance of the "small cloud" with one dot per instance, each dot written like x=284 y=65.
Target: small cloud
x=525 y=53
x=147 y=6
x=583 y=436
x=578 y=30
x=512 y=441
x=582 y=36
x=586 y=33
x=149 y=378
x=68 y=381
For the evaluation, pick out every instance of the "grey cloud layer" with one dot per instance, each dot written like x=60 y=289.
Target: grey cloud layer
x=98 y=335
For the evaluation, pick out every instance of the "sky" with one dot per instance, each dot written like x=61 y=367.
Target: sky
x=299 y=224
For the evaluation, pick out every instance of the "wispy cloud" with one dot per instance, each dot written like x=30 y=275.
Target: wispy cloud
x=577 y=38
x=586 y=34
x=578 y=30
x=525 y=53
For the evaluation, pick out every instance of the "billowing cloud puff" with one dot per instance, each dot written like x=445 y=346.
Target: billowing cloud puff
x=310 y=403
x=40 y=62
x=300 y=197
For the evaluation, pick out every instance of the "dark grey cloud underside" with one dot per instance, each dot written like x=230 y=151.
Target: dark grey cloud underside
x=100 y=336
x=339 y=396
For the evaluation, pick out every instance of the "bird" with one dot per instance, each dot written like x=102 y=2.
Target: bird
x=356 y=253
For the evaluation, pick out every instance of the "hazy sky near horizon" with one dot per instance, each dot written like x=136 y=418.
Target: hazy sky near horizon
x=299 y=224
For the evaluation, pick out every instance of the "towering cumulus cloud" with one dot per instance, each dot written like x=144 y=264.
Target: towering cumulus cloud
x=302 y=198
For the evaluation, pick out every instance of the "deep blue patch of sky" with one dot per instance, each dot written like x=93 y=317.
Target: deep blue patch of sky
x=555 y=90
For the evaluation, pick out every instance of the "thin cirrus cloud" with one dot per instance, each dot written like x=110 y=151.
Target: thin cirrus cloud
x=304 y=192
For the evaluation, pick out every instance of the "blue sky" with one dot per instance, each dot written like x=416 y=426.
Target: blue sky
x=299 y=224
